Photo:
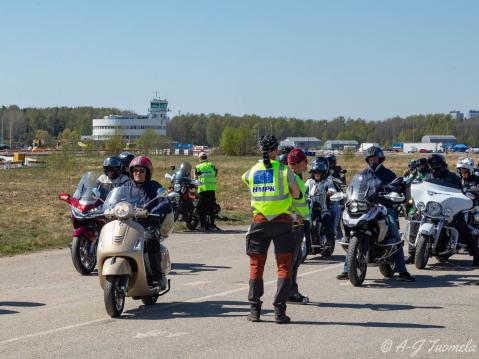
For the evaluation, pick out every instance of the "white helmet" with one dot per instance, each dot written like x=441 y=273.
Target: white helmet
x=466 y=163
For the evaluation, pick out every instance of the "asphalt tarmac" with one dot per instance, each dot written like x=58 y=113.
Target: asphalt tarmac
x=48 y=310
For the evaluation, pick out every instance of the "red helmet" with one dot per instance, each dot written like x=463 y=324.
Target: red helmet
x=142 y=161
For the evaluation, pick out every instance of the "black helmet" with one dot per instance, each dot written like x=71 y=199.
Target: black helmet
x=112 y=164
x=331 y=160
x=283 y=159
x=437 y=162
x=285 y=150
x=421 y=161
x=268 y=143
x=320 y=165
x=125 y=158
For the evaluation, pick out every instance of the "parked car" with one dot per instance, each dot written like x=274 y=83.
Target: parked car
x=423 y=150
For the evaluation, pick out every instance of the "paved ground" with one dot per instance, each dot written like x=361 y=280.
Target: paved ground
x=47 y=310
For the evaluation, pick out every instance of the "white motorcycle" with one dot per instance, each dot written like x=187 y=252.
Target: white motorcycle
x=437 y=202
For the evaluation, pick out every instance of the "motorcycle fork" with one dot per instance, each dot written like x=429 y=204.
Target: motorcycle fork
x=437 y=234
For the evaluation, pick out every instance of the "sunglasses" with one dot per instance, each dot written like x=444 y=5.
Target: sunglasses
x=139 y=170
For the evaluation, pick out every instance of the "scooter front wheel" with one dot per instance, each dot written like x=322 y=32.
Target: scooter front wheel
x=114 y=295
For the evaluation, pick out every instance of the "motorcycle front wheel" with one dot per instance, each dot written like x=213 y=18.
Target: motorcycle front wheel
x=423 y=248
x=192 y=219
x=357 y=261
x=113 y=295
x=83 y=255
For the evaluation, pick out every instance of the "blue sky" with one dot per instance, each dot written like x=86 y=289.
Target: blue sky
x=305 y=59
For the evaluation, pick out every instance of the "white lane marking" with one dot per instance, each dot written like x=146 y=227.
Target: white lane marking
x=200 y=282
x=246 y=286
x=159 y=333
x=221 y=294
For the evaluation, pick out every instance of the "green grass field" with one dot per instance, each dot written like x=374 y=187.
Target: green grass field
x=33 y=218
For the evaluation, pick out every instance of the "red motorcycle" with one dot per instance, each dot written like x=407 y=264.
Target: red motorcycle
x=87 y=219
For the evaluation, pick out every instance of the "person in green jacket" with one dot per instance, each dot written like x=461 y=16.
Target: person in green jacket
x=206 y=173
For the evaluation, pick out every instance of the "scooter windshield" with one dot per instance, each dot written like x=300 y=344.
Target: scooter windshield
x=121 y=194
x=84 y=188
x=361 y=188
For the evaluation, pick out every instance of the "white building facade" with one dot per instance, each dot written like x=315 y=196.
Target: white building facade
x=131 y=127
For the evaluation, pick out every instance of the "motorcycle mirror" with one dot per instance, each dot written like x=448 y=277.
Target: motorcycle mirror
x=172 y=167
x=168 y=176
x=338 y=196
x=395 y=197
x=64 y=197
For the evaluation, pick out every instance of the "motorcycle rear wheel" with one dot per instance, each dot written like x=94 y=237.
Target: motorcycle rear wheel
x=82 y=260
x=192 y=221
x=113 y=296
x=357 y=261
x=423 y=248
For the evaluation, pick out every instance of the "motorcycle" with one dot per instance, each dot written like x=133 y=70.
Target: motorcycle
x=366 y=224
x=123 y=265
x=87 y=219
x=186 y=207
x=437 y=202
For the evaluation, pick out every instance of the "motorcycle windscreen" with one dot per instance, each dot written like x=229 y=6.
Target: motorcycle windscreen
x=361 y=188
x=84 y=188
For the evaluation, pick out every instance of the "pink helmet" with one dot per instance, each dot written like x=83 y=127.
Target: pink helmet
x=141 y=161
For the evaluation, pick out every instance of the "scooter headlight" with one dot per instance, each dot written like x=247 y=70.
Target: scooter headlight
x=434 y=208
x=123 y=210
x=177 y=187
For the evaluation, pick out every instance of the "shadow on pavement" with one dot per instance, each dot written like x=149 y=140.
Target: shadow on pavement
x=221 y=309
x=375 y=324
x=425 y=281
x=226 y=231
x=383 y=307
x=320 y=260
x=17 y=304
x=192 y=268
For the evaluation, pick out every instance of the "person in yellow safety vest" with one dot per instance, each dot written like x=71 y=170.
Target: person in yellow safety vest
x=298 y=162
x=206 y=173
x=272 y=187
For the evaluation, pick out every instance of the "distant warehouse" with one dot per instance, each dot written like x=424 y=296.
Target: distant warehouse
x=332 y=145
x=444 y=139
x=305 y=143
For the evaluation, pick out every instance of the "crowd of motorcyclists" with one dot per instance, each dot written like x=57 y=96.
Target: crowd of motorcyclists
x=297 y=209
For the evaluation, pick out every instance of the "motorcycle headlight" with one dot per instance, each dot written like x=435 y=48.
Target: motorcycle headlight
x=123 y=210
x=434 y=208
x=177 y=187
x=447 y=212
x=353 y=207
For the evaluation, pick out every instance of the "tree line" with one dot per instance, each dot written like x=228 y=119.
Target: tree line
x=238 y=134
x=232 y=134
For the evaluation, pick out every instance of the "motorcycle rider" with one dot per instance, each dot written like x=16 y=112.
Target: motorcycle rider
x=421 y=170
x=298 y=162
x=321 y=183
x=439 y=170
x=375 y=158
x=206 y=173
x=336 y=172
x=111 y=177
x=143 y=187
x=465 y=169
x=272 y=187
x=125 y=158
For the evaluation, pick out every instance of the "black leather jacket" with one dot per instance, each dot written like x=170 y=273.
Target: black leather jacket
x=145 y=192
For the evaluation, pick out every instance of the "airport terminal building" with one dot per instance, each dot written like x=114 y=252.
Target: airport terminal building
x=131 y=127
